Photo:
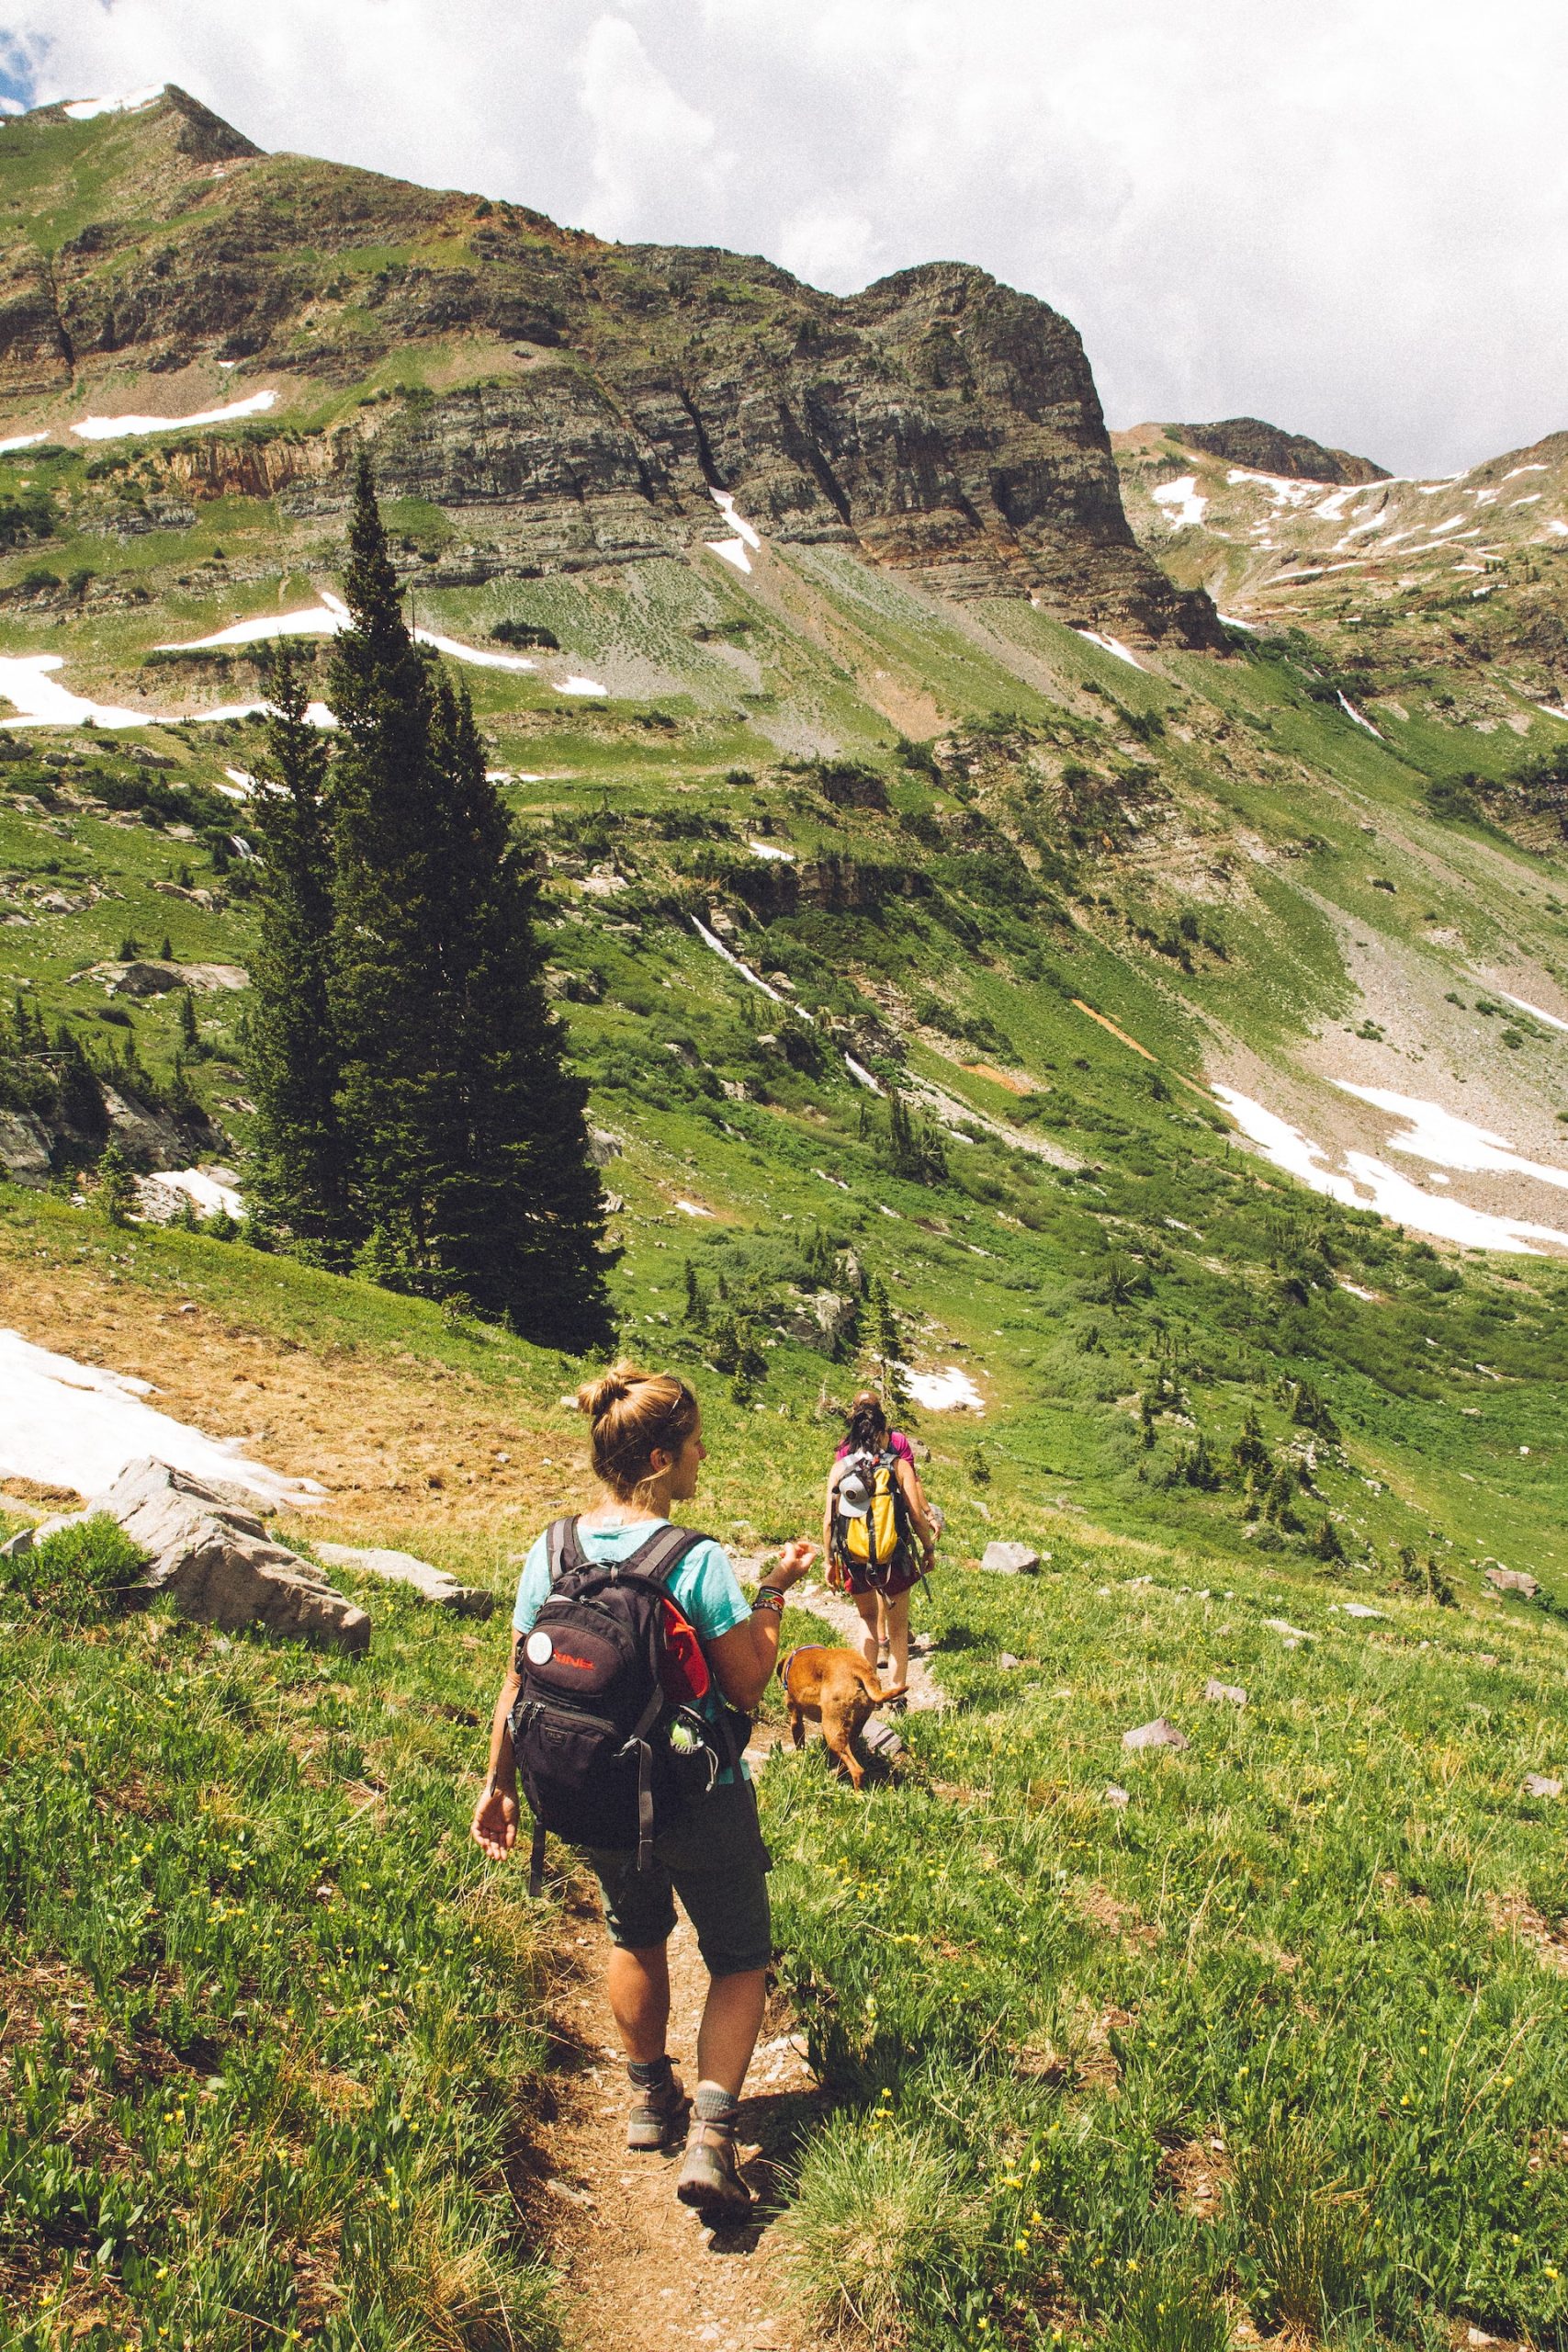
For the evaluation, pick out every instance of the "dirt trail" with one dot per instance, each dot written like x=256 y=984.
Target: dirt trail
x=926 y=1693
x=640 y=2273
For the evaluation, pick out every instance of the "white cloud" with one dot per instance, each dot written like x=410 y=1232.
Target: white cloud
x=1340 y=217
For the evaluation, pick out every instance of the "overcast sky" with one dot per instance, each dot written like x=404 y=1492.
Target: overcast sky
x=1347 y=216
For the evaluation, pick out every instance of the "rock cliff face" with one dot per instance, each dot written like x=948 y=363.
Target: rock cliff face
x=1248 y=441
x=591 y=396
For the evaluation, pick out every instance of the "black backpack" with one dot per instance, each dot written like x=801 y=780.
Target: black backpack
x=606 y=1756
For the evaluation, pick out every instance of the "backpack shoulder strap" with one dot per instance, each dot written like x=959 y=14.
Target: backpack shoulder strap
x=661 y=1555
x=563 y=1554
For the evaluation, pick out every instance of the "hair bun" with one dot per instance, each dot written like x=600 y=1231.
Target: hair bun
x=596 y=1398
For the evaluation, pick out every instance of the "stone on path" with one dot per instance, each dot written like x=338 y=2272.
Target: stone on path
x=212 y=1557
x=1230 y=1691
x=1000 y=1559
x=1513 y=1580
x=1540 y=1784
x=1161 y=1733
x=431 y=1583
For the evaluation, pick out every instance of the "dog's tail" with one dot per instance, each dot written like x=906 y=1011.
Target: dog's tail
x=873 y=1688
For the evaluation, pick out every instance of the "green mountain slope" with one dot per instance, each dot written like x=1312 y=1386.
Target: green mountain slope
x=922 y=793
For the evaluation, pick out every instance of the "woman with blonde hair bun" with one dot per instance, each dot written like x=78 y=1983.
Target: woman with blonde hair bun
x=588 y=1584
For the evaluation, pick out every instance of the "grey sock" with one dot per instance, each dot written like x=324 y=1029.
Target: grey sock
x=649 y=2073
x=716 y=2106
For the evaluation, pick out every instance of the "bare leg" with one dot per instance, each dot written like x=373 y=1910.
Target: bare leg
x=869 y=1605
x=882 y=1635
x=898 y=1637
x=639 y=1985
x=732 y=2018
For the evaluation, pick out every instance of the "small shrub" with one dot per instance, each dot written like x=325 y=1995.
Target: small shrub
x=877 y=2221
x=78 y=1574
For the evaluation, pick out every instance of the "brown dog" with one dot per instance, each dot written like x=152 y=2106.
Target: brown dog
x=838 y=1689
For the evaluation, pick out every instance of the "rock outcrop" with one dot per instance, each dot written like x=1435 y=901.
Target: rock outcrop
x=1265 y=449
x=213 y=1558
x=939 y=421
x=418 y=1576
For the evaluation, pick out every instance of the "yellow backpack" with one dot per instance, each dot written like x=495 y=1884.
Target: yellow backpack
x=871 y=1520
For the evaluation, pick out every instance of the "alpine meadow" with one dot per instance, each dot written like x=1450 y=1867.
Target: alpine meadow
x=560 y=799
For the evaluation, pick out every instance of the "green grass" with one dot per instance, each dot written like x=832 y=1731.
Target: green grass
x=271 y=2033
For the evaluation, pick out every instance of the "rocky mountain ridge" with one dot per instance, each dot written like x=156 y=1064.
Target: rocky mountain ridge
x=566 y=402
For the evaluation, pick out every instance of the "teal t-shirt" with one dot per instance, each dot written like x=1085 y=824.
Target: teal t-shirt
x=704 y=1587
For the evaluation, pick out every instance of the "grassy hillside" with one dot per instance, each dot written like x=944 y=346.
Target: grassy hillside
x=1281 y=2034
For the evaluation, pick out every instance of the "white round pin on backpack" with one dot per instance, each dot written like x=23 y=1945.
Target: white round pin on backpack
x=538 y=1649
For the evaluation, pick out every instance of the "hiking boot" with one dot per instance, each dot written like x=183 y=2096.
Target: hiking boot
x=658 y=2116
x=710 y=2178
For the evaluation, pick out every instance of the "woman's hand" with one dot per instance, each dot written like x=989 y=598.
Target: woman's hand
x=494 y=1826
x=794 y=1561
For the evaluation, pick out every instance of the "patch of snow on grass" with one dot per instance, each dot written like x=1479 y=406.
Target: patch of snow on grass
x=240 y=783
x=1112 y=645
x=1229 y=620
x=1351 y=712
x=1184 y=507
x=41 y=701
x=580 y=687
x=22 y=441
x=1280 y=487
x=1357 y=1291
x=711 y=939
x=1559 y=529
x=861 y=1075
x=1366 y=1183
x=1533 y=499
x=68 y=1424
x=115 y=428
x=329 y=618
x=89 y=109
x=1514 y=470
x=1434 y=1134
x=692 y=1209
x=769 y=850
x=1524 y=1005
x=951 y=1391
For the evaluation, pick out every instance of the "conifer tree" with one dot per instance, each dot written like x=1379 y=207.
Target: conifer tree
x=469 y=1133
x=301 y=1159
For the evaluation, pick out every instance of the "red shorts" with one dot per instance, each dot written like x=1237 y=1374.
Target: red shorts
x=902 y=1576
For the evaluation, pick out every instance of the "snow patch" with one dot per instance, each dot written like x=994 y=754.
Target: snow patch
x=1366 y=1183
x=1514 y=470
x=770 y=850
x=734 y=550
x=68 y=1424
x=329 y=618
x=692 y=1209
x=1351 y=712
x=1108 y=644
x=41 y=701
x=115 y=428
x=1533 y=499
x=1524 y=1002
x=1283 y=490
x=89 y=109
x=711 y=939
x=861 y=1075
x=22 y=441
x=1436 y=1135
x=204 y=1191
x=1229 y=620
x=951 y=1391
x=1183 y=506
x=580 y=687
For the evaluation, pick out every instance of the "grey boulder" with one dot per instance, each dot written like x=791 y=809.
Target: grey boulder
x=1161 y=1733
x=1513 y=1580
x=1231 y=1692
x=1540 y=1784
x=1009 y=1560
x=431 y=1583
x=212 y=1557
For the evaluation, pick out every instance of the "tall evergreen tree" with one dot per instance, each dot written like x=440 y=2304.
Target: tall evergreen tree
x=472 y=1173
x=300 y=1168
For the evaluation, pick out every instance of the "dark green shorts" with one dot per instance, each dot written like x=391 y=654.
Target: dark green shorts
x=714 y=1859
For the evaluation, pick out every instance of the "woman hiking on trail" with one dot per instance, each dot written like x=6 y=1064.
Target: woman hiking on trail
x=648 y=1451
x=871 y=1550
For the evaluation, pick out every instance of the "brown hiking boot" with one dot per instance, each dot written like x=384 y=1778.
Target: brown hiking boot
x=710 y=2178
x=658 y=2118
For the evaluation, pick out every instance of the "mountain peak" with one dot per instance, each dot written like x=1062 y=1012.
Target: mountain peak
x=1268 y=450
